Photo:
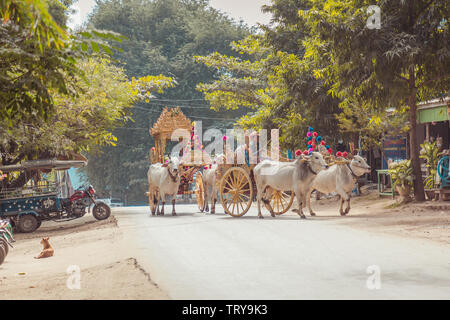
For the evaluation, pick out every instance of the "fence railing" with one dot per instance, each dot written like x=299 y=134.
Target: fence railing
x=42 y=188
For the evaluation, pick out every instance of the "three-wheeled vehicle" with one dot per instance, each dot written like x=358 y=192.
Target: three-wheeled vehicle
x=46 y=195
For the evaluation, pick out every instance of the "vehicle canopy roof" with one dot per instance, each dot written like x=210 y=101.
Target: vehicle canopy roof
x=51 y=164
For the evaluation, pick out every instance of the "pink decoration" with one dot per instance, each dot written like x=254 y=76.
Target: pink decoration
x=309 y=134
x=345 y=154
x=330 y=151
x=338 y=154
x=224 y=138
x=305 y=152
x=298 y=152
x=315 y=134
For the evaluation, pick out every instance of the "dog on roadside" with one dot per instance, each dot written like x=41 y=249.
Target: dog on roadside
x=47 y=251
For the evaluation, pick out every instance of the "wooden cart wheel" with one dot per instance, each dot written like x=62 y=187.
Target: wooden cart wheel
x=236 y=192
x=281 y=201
x=200 y=191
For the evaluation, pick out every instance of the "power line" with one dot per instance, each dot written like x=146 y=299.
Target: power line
x=178 y=100
x=125 y=128
x=193 y=106
x=195 y=117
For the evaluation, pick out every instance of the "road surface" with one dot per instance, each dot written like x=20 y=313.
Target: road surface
x=203 y=256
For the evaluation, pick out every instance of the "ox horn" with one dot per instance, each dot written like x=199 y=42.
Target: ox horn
x=305 y=158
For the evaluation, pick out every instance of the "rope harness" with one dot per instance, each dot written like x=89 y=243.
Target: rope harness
x=174 y=178
x=355 y=177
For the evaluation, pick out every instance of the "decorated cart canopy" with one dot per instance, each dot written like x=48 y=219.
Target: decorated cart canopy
x=170 y=120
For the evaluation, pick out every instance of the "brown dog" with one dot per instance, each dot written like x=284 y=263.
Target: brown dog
x=47 y=251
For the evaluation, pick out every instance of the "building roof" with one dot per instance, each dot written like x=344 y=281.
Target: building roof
x=439 y=102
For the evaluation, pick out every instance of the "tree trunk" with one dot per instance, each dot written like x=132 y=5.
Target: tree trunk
x=419 y=193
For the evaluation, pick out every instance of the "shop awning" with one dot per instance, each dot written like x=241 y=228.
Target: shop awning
x=434 y=111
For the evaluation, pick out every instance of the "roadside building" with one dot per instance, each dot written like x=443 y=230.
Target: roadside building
x=434 y=122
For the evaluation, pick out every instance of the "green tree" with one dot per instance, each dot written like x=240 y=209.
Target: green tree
x=39 y=55
x=279 y=87
x=82 y=123
x=405 y=61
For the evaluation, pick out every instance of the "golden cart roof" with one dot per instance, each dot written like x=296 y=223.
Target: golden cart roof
x=170 y=120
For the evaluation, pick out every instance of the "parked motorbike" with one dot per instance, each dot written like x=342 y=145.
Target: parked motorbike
x=6 y=239
x=83 y=198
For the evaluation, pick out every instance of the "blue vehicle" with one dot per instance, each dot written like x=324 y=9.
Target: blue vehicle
x=47 y=195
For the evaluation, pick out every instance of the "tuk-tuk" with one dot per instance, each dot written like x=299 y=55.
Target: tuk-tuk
x=47 y=194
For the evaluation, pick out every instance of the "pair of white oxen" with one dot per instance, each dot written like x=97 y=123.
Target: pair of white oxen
x=303 y=176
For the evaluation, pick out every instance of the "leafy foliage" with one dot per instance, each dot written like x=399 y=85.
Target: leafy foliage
x=404 y=61
x=84 y=122
x=272 y=78
x=37 y=56
x=401 y=173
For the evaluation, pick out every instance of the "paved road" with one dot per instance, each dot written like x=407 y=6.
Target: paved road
x=198 y=256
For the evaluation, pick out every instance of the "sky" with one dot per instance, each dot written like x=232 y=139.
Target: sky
x=247 y=10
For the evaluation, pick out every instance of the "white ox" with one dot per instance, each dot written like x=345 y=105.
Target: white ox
x=294 y=176
x=210 y=176
x=163 y=180
x=340 y=178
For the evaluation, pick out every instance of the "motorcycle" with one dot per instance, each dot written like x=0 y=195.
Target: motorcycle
x=85 y=197
x=6 y=239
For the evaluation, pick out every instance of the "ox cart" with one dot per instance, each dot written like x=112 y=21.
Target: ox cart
x=235 y=182
x=190 y=172
x=237 y=188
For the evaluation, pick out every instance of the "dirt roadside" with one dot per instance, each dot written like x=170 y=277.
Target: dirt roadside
x=428 y=221
x=95 y=248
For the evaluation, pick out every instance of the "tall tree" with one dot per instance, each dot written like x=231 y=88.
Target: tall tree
x=271 y=77
x=404 y=61
x=81 y=123
x=38 y=54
